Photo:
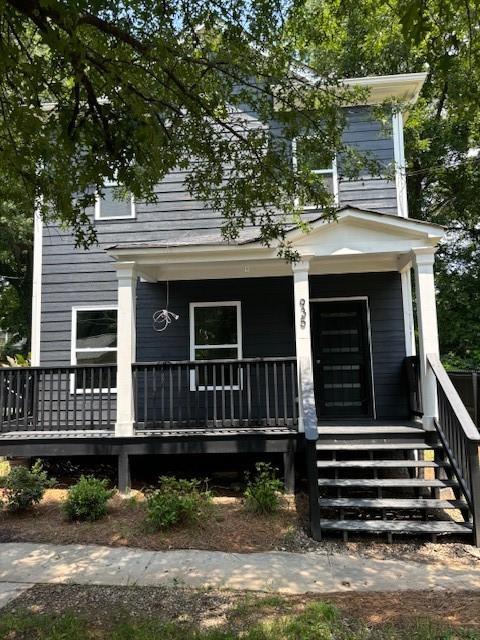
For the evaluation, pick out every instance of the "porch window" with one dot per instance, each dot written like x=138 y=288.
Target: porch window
x=307 y=156
x=215 y=334
x=114 y=205
x=94 y=341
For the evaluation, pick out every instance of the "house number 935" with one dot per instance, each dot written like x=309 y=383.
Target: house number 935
x=303 y=314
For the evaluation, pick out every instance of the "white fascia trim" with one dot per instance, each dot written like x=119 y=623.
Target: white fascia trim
x=400 y=168
x=36 y=288
x=404 y=86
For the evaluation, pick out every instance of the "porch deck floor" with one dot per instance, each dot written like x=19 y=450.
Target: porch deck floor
x=145 y=433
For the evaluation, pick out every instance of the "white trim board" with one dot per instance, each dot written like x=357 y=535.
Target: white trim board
x=36 y=288
x=369 y=335
x=400 y=167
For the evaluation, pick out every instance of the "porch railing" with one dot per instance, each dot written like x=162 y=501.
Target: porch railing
x=460 y=439
x=57 y=398
x=252 y=392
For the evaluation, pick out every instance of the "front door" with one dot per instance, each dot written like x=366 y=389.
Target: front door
x=341 y=359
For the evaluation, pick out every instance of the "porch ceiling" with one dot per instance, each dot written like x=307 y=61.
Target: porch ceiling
x=358 y=241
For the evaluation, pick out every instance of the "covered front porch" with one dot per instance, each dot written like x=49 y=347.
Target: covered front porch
x=322 y=338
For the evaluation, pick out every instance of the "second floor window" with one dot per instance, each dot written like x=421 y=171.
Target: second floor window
x=114 y=205
x=306 y=156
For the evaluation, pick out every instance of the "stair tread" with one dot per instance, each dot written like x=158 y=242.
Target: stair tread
x=374 y=430
x=398 y=526
x=352 y=446
x=392 y=503
x=382 y=482
x=380 y=464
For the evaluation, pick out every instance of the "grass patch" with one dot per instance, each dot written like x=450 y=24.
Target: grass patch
x=316 y=621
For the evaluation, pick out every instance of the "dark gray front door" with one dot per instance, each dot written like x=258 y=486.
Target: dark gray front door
x=341 y=359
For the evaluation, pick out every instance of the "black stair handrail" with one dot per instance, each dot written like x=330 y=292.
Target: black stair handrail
x=460 y=439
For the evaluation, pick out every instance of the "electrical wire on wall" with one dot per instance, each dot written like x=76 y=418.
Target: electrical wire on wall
x=163 y=317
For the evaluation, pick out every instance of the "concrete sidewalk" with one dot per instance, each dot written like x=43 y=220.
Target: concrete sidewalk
x=23 y=564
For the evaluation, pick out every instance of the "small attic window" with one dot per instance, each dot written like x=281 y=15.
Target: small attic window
x=114 y=205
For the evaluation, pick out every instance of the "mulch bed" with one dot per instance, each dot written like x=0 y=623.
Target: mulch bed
x=229 y=527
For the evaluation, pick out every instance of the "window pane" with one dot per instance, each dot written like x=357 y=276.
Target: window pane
x=215 y=325
x=112 y=207
x=90 y=378
x=96 y=357
x=96 y=329
x=216 y=354
x=309 y=156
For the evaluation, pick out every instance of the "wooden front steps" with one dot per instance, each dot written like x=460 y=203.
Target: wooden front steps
x=387 y=479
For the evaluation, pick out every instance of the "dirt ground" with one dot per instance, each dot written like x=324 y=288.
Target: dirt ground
x=229 y=527
x=212 y=608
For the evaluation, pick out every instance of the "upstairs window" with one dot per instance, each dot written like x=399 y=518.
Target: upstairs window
x=306 y=156
x=114 y=205
x=215 y=334
x=94 y=341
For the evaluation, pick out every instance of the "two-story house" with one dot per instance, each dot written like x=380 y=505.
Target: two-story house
x=166 y=339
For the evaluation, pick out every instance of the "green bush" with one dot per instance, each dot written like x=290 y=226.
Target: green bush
x=262 y=494
x=87 y=499
x=23 y=487
x=176 y=501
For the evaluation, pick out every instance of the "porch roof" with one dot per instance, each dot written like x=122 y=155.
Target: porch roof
x=358 y=240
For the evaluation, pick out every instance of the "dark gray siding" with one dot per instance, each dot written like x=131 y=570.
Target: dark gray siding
x=268 y=327
x=75 y=277
x=267 y=316
x=369 y=136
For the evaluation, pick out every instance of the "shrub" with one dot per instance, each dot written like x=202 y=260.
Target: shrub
x=23 y=487
x=176 y=501
x=87 y=499
x=262 y=494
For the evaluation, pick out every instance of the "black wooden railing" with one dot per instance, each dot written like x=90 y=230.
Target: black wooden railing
x=57 y=398
x=255 y=392
x=467 y=383
x=460 y=439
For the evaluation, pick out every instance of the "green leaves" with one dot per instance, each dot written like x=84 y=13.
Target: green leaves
x=443 y=127
x=137 y=90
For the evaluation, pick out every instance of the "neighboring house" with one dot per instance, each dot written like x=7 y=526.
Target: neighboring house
x=312 y=359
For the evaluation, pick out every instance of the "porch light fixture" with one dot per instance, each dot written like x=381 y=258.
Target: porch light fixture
x=163 y=317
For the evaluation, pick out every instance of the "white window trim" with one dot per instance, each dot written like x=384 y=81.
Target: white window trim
x=74 y=350
x=193 y=346
x=98 y=205
x=333 y=171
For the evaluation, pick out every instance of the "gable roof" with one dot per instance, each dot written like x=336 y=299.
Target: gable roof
x=250 y=236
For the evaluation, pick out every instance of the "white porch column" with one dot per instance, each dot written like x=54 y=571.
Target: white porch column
x=307 y=418
x=427 y=328
x=127 y=281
